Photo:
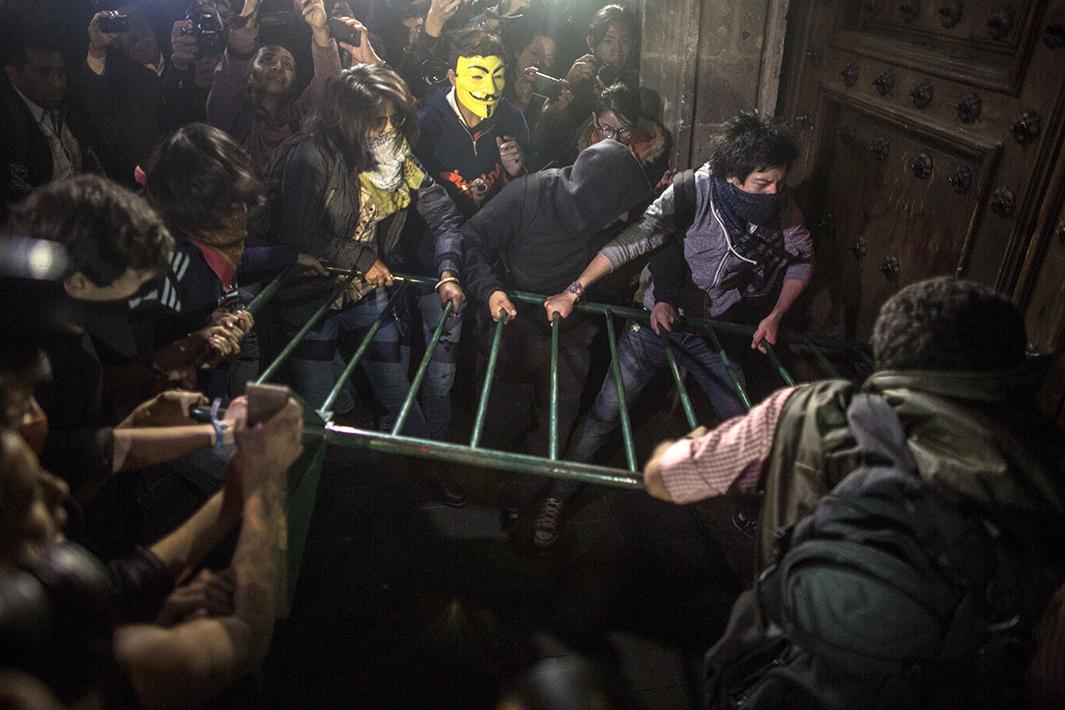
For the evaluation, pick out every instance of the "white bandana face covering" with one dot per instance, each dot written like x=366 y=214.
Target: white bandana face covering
x=389 y=151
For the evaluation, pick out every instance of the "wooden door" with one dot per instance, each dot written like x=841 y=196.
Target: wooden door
x=929 y=131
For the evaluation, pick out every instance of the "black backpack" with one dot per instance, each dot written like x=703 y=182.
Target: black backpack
x=892 y=593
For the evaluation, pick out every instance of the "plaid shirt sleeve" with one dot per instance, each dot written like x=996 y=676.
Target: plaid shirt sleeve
x=731 y=456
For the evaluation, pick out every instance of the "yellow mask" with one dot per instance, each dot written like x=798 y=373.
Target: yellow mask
x=479 y=83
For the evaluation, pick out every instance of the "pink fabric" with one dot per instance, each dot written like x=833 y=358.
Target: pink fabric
x=732 y=455
x=221 y=267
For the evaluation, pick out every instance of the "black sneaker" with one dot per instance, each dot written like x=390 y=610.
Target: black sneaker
x=547 y=523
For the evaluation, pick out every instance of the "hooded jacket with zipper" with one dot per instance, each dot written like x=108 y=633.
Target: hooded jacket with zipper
x=456 y=155
x=543 y=225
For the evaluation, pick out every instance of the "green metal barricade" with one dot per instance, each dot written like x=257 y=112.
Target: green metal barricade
x=320 y=431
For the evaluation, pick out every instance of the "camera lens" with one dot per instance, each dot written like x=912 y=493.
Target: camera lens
x=606 y=75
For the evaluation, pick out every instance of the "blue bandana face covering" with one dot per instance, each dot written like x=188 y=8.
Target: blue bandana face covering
x=738 y=208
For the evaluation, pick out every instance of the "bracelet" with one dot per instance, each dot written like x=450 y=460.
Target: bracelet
x=220 y=427
x=577 y=289
x=446 y=280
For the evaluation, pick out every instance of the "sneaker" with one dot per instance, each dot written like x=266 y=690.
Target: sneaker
x=547 y=523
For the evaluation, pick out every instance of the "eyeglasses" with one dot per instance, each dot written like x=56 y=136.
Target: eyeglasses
x=379 y=123
x=621 y=135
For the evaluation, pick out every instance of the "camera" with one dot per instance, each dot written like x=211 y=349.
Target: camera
x=344 y=33
x=114 y=24
x=548 y=86
x=606 y=75
x=208 y=29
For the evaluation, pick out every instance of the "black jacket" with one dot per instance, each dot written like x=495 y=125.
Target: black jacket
x=543 y=225
x=314 y=207
x=25 y=156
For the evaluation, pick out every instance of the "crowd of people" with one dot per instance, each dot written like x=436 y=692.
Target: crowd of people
x=163 y=162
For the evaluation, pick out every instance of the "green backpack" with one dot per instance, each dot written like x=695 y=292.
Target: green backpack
x=891 y=594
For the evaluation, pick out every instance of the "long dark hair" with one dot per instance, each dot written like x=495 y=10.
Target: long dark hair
x=197 y=176
x=342 y=122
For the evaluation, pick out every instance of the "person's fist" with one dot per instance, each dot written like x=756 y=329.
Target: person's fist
x=499 y=303
x=511 y=155
x=99 y=40
x=184 y=48
x=379 y=275
x=663 y=316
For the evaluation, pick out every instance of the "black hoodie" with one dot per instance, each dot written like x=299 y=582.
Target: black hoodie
x=542 y=225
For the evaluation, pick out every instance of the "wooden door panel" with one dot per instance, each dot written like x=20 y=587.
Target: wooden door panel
x=921 y=142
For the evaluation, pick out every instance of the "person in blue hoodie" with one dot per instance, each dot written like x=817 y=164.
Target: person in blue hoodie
x=472 y=142
x=472 y=139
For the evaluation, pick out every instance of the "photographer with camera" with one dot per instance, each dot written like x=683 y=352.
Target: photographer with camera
x=253 y=97
x=129 y=93
x=196 y=44
x=613 y=34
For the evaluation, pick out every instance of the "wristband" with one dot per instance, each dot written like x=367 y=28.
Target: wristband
x=446 y=280
x=221 y=428
x=577 y=289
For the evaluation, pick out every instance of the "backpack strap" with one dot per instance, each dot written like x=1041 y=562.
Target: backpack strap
x=879 y=433
x=683 y=202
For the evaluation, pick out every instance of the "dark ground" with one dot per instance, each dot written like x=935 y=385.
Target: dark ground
x=405 y=603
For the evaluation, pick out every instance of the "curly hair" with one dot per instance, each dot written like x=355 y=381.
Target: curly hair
x=750 y=142
x=197 y=176
x=948 y=324
x=343 y=120
x=105 y=228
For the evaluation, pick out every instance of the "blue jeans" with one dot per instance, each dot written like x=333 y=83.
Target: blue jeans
x=435 y=395
x=318 y=361
x=642 y=356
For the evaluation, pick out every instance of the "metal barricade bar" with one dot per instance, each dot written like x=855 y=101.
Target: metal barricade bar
x=364 y=346
x=486 y=458
x=287 y=351
x=619 y=386
x=771 y=353
x=489 y=376
x=826 y=365
x=552 y=433
x=727 y=362
x=423 y=366
x=682 y=392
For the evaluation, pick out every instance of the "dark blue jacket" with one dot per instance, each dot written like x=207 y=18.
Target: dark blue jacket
x=456 y=155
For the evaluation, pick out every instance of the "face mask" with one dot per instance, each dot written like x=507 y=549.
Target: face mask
x=479 y=83
x=759 y=209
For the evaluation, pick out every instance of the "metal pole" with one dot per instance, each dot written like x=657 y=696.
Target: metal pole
x=552 y=434
x=485 y=458
x=619 y=386
x=685 y=400
x=337 y=291
x=727 y=362
x=423 y=366
x=265 y=295
x=827 y=366
x=489 y=375
x=642 y=316
x=781 y=370
x=363 y=347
